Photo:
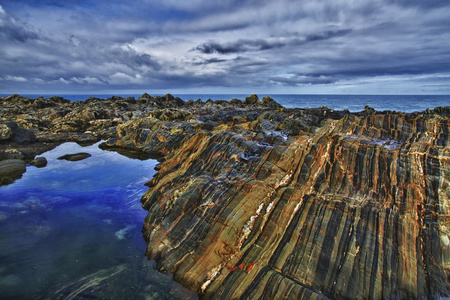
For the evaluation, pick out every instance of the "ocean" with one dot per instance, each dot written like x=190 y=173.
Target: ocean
x=354 y=103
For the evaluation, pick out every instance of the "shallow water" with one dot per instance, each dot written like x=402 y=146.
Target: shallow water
x=72 y=230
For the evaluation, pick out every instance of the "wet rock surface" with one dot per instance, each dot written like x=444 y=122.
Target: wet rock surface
x=10 y=170
x=39 y=162
x=75 y=156
x=252 y=200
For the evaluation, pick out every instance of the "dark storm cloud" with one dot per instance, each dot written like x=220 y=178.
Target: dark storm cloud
x=14 y=30
x=131 y=58
x=302 y=79
x=18 y=33
x=237 y=46
x=201 y=62
x=245 y=45
x=255 y=44
x=54 y=57
x=429 y=4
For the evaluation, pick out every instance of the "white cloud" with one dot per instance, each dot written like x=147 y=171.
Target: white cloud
x=15 y=78
x=2 y=15
x=87 y=80
x=62 y=80
x=120 y=78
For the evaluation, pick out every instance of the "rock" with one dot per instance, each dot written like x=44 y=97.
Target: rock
x=12 y=131
x=5 y=132
x=292 y=126
x=9 y=166
x=171 y=101
x=171 y=114
x=8 y=153
x=269 y=102
x=237 y=102
x=145 y=96
x=10 y=170
x=150 y=136
x=39 y=162
x=331 y=213
x=253 y=99
x=75 y=157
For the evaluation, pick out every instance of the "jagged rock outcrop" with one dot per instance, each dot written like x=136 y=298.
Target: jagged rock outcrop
x=29 y=127
x=356 y=207
x=25 y=121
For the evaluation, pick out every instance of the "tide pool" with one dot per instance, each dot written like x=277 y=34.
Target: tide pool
x=72 y=230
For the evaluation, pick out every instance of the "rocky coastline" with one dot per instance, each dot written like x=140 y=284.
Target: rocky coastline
x=252 y=200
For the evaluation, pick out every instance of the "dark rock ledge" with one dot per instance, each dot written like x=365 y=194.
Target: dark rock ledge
x=75 y=156
x=252 y=200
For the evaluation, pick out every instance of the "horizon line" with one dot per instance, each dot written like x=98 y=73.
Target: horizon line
x=205 y=94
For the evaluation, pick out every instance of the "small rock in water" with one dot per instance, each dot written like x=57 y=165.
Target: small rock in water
x=39 y=162
x=76 y=156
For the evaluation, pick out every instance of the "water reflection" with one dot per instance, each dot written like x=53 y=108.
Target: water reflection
x=73 y=230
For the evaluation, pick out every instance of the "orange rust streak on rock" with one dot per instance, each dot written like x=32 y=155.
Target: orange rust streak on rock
x=250 y=266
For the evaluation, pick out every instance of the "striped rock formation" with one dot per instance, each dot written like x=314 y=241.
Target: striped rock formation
x=345 y=206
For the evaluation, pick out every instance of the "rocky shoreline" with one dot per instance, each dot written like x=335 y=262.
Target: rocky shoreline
x=252 y=200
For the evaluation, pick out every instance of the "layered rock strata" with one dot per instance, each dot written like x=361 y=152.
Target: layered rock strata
x=29 y=127
x=354 y=208
x=255 y=201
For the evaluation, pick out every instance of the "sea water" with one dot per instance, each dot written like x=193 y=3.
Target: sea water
x=72 y=230
x=354 y=103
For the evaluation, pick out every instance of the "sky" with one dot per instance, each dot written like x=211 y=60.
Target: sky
x=225 y=47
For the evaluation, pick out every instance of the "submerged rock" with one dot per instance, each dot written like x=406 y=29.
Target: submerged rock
x=75 y=157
